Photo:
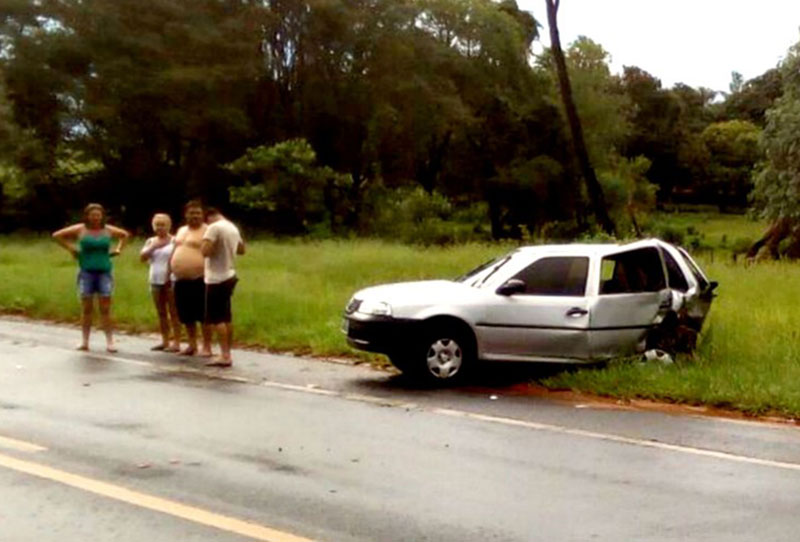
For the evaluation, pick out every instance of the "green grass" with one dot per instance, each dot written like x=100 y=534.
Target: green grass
x=292 y=293
x=749 y=354
x=290 y=296
x=711 y=230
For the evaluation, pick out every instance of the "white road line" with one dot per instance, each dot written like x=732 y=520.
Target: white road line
x=551 y=428
x=619 y=439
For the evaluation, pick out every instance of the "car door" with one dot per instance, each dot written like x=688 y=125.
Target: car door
x=547 y=320
x=632 y=298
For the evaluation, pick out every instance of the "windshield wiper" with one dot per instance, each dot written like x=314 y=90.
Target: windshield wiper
x=500 y=264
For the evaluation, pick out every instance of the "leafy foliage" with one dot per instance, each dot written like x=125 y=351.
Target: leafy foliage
x=733 y=151
x=777 y=181
x=630 y=195
x=289 y=190
x=140 y=104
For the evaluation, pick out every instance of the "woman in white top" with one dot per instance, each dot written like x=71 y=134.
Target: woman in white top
x=157 y=251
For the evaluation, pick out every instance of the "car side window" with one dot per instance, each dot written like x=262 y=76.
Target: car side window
x=675 y=277
x=561 y=276
x=632 y=272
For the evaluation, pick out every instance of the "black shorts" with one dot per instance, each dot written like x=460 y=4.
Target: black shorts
x=190 y=300
x=218 y=301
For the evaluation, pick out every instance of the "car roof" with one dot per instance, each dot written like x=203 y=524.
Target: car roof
x=589 y=249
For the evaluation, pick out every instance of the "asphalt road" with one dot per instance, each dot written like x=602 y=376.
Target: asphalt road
x=140 y=446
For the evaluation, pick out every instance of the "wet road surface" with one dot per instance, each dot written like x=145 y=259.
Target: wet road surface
x=141 y=446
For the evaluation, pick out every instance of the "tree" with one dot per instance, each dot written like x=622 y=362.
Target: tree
x=288 y=189
x=141 y=104
x=630 y=195
x=737 y=81
x=776 y=193
x=593 y=186
x=155 y=90
x=733 y=152
x=753 y=98
x=599 y=97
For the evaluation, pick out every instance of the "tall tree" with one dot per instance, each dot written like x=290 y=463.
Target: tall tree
x=593 y=187
x=156 y=90
x=777 y=183
x=753 y=98
x=599 y=97
x=659 y=132
x=776 y=192
x=733 y=153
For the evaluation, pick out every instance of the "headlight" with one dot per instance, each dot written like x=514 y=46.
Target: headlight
x=375 y=308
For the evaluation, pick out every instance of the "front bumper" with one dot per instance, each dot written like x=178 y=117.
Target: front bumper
x=382 y=334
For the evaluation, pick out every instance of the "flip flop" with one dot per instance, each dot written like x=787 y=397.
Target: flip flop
x=111 y=349
x=219 y=362
x=187 y=352
x=82 y=347
x=172 y=349
x=158 y=348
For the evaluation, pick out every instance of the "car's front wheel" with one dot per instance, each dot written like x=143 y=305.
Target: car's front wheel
x=444 y=354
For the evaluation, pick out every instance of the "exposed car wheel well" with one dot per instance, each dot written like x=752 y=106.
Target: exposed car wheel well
x=443 y=350
x=673 y=336
x=450 y=322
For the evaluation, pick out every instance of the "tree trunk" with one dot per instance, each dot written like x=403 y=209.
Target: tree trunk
x=784 y=228
x=592 y=184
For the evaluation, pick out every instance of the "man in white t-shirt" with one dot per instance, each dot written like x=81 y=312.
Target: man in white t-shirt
x=221 y=244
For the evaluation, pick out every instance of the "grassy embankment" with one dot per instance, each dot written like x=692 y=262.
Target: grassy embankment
x=292 y=293
x=290 y=297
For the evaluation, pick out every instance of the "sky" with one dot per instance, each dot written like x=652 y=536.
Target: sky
x=696 y=42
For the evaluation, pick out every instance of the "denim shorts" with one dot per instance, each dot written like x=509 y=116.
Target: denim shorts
x=95 y=282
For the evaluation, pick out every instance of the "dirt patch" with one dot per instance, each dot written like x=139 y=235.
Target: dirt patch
x=586 y=400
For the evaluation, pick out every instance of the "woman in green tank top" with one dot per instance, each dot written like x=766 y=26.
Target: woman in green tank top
x=90 y=243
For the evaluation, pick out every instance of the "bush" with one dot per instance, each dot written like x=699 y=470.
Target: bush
x=412 y=215
x=741 y=245
x=670 y=234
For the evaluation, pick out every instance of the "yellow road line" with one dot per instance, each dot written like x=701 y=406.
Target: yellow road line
x=20 y=445
x=150 y=502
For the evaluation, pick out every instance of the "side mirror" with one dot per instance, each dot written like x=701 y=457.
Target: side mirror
x=708 y=293
x=511 y=287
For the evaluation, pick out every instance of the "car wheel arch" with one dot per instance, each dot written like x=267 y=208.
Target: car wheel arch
x=435 y=322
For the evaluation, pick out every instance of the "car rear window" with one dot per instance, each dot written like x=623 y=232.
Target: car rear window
x=565 y=276
x=632 y=272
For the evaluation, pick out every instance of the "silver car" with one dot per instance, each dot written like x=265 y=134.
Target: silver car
x=573 y=303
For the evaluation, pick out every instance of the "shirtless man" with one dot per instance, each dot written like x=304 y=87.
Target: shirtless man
x=187 y=265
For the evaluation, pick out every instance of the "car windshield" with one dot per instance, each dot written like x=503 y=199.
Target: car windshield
x=480 y=274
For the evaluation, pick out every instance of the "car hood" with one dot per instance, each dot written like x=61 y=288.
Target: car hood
x=425 y=292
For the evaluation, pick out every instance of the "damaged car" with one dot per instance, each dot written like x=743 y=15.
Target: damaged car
x=573 y=303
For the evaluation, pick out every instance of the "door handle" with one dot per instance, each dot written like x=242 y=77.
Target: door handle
x=577 y=312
